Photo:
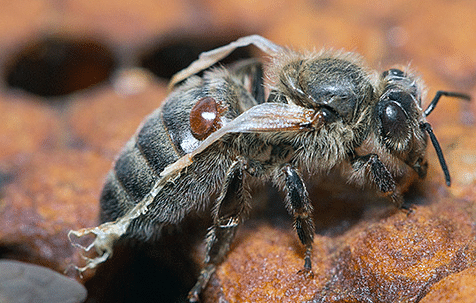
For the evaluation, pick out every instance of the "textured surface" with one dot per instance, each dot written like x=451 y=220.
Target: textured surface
x=56 y=152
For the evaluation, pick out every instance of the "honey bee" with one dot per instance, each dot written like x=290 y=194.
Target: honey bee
x=299 y=113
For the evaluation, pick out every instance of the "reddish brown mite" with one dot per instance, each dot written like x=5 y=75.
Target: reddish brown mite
x=204 y=118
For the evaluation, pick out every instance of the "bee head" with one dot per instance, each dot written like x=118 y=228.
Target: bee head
x=402 y=125
x=398 y=112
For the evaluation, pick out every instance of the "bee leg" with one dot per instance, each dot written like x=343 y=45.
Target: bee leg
x=298 y=204
x=381 y=176
x=231 y=205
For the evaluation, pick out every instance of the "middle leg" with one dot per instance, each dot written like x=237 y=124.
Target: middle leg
x=231 y=205
x=298 y=204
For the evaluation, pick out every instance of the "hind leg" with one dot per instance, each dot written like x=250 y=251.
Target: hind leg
x=230 y=207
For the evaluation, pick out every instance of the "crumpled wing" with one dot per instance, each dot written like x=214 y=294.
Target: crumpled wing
x=209 y=58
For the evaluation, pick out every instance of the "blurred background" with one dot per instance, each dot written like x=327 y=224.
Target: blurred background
x=77 y=77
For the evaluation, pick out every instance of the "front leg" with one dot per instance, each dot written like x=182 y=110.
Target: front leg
x=228 y=212
x=298 y=205
x=380 y=176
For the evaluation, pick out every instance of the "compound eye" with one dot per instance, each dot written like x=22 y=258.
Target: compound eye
x=393 y=72
x=204 y=118
x=328 y=115
x=394 y=120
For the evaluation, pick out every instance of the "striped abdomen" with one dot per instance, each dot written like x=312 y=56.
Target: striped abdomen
x=165 y=136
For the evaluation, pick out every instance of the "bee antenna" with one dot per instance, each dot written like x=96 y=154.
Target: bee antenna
x=437 y=97
x=427 y=127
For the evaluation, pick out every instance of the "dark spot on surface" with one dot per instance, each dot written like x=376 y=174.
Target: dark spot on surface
x=5 y=178
x=57 y=66
x=163 y=270
x=170 y=57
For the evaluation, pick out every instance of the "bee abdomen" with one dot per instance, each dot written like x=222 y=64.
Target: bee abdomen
x=114 y=199
x=137 y=168
x=155 y=143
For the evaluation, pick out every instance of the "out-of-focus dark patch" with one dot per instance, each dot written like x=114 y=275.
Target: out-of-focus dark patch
x=415 y=196
x=58 y=66
x=159 y=271
x=7 y=251
x=169 y=57
x=5 y=178
x=20 y=252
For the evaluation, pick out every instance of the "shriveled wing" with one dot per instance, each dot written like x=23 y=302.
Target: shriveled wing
x=108 y=233
x=209 y=58
x=266 y=117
